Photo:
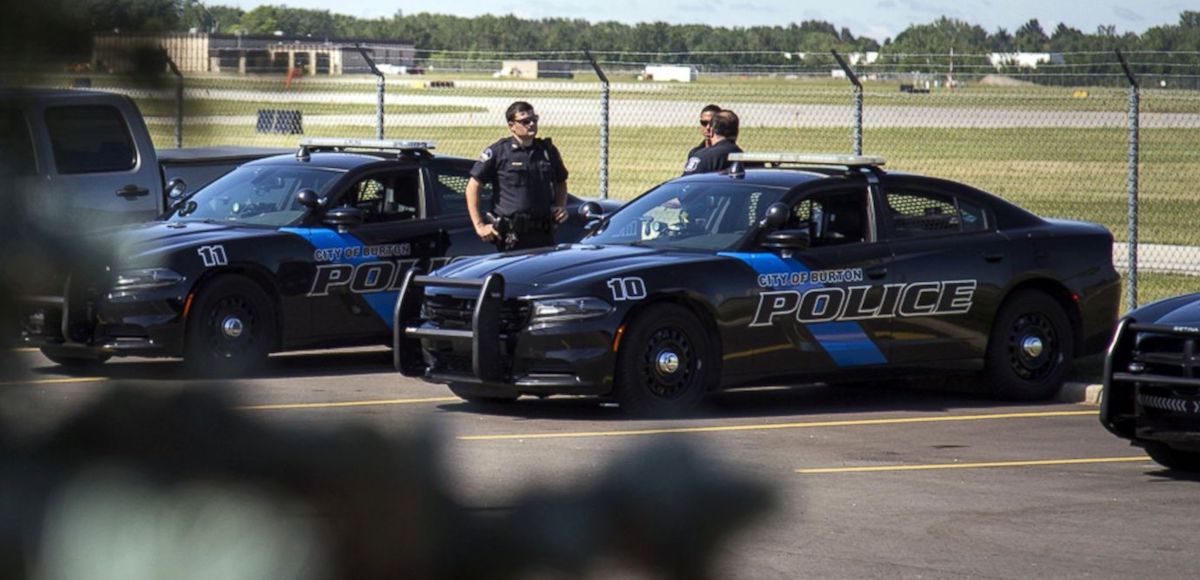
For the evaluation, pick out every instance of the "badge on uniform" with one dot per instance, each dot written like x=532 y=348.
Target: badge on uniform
x=692 y=164
x=487 y=154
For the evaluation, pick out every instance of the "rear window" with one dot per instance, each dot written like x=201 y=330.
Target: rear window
x=450 y=189
x=90 y=139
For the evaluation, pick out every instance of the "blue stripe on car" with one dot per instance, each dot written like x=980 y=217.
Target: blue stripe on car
x=382 y=302
x=845 y=342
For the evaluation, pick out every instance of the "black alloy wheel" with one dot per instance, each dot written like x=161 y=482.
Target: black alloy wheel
x=231 y=329
x=663 y=364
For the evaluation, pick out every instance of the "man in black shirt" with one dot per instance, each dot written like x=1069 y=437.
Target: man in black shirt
x=529 y=181
x=706 y=115
x=724 y=129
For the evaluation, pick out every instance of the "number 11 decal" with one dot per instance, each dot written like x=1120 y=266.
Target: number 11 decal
x=213 y=256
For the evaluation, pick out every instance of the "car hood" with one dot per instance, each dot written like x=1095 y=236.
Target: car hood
x=554 y=269
x=1180 y=311
x=134 y=245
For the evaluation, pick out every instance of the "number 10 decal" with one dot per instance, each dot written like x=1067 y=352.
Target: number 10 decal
x=627 y=288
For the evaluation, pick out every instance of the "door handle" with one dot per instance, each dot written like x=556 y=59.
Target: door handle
x=876 y=273
x=132 y=190
x=993 y=258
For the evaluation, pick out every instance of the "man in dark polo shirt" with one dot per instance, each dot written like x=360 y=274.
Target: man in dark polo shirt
x=530 y=184
x=715 y=157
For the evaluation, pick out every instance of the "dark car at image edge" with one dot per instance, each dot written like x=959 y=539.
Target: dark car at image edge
x=787 y=268
x=1151 y=392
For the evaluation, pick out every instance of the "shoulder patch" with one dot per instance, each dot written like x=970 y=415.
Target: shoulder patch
x=692 y=164
x=487 y=154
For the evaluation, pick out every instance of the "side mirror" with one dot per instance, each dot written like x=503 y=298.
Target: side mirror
x=591 y=211
x=787 y=240
x=310 y=199
x=776 y=216
x=343 y=218
x=176 y=188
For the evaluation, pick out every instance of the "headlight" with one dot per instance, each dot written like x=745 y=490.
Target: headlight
x=145 y=279
x=563 y=309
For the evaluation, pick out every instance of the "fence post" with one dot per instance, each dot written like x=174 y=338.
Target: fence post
x=178 y=100
x=1134 y=142
x=858 y=101
x=604 y=88
x=379 y=84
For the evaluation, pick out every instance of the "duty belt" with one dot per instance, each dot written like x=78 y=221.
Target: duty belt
x=520 y=223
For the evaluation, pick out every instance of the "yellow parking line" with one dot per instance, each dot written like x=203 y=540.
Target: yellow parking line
x=349 y=404
x=53 y=381
x=973 y=465
x=774 y=426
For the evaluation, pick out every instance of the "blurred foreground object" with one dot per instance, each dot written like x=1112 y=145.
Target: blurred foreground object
x=143 y=485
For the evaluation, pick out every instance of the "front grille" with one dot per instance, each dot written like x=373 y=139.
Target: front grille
x=1167 y=354
x=455 y=313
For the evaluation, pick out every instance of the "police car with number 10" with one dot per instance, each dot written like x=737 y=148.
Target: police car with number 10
x=789 y=267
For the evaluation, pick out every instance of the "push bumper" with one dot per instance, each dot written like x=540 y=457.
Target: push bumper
x=495 y=354
x=1152 y=384
x=142 y=325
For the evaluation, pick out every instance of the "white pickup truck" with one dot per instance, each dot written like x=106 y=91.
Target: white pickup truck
x=85 y=158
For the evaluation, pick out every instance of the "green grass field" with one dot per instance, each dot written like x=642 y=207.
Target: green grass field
x=804 y=90
x=202 y=108
x=1054 y=172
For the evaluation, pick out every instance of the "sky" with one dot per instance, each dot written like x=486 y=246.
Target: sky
x=878 y=19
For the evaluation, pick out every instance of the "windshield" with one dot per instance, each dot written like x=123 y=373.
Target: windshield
x=261 y=195
x=690 y=216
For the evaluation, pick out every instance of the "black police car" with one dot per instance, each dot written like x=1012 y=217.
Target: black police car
x=1152 y=381
x=832 y=270
x=289 y=252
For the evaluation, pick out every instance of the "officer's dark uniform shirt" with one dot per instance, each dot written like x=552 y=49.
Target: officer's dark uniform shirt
x=710 y=159
x=699 y=147
x=522 y=178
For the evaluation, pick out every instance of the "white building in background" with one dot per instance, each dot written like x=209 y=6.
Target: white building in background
x=1003 y=60
x=683 y=74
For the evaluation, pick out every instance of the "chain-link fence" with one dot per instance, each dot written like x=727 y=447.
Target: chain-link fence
x=1054 y=135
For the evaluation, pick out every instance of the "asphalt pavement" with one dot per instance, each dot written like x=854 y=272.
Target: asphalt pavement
x=869 y=481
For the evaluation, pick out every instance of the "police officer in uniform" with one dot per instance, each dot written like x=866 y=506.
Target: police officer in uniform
x=530 y=184
x=724 y=129
x=706 y=115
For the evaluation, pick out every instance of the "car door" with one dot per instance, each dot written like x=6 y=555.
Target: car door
x=95 y=168
x=953 y=264
x=357 y=283
x=817 y=309
x=446 y=183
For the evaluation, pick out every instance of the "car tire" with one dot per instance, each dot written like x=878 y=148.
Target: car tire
x=74 y=361
x=471 y=394
x=230 y=329
x=1172 y=458
x=1030 y=349
x=663 y=364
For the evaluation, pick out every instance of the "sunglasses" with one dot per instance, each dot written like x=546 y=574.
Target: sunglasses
x=527 y=121
x=704 y=123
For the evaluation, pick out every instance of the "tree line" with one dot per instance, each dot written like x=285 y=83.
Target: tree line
x=643 y=42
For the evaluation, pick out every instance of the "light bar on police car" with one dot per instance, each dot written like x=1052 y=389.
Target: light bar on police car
x=810 y=159
x=385 y=144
